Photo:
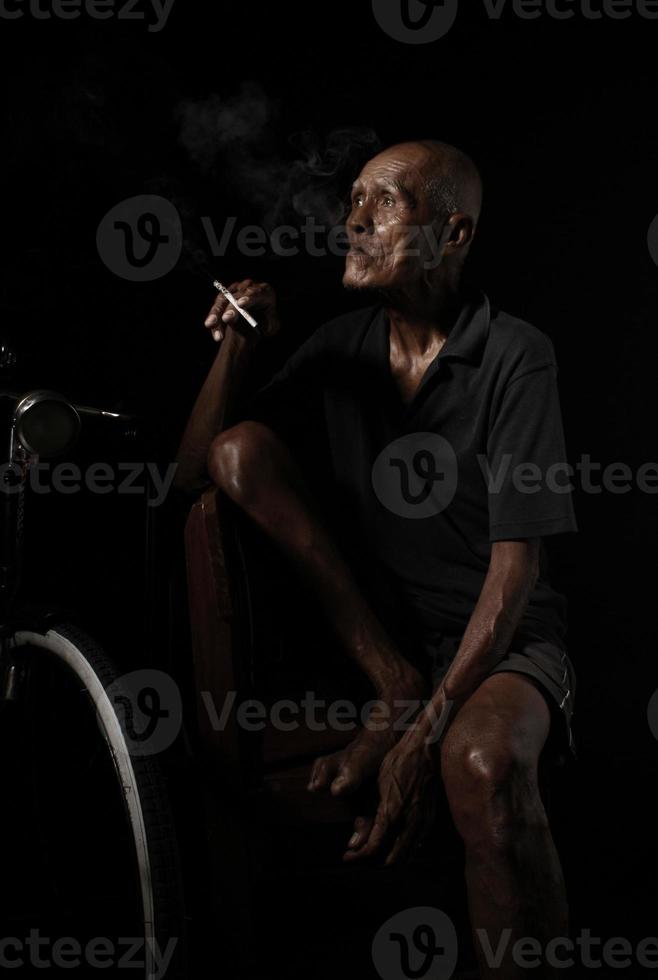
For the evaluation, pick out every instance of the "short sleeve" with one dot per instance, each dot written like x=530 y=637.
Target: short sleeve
x=530 y=483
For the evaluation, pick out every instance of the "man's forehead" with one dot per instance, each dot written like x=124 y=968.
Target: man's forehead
x=404 y=166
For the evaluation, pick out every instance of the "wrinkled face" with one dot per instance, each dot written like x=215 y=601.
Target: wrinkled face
x=389 y=227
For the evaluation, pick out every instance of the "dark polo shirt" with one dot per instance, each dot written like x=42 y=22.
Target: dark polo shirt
x=417 y=493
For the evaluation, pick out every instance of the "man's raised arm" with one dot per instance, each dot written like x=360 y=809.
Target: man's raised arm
x=215 y=404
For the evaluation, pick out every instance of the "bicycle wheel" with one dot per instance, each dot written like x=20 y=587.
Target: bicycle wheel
x=106 y=861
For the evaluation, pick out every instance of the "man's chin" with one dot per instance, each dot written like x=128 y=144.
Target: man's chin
x=355 y=282
x=365 y=287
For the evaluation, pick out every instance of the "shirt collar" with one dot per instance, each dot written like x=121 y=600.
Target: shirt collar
x=469 y=334
x=466 y=340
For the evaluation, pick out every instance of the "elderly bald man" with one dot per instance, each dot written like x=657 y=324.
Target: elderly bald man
x=450 y=607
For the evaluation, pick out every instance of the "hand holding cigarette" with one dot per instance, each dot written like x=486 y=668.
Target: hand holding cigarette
x=242 y=305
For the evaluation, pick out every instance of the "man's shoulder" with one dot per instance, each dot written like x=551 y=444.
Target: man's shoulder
x=347 y=330
x=519 y=344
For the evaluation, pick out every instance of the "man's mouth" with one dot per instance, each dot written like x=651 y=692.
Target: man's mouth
x=357 y=252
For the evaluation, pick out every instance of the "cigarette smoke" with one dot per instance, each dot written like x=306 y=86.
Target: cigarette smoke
x=318 y=183
x=234 y=139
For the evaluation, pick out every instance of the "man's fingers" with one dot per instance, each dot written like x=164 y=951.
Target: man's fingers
x=248 y=294
x=381 y=828
x=226 y=312
x=221 y=309
x=402 y=845
x=216 y=312
x=324 y=770
x=362 y=828
x=418 y=823
x=255 y=296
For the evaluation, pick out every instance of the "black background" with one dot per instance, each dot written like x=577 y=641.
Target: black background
x=560 y=116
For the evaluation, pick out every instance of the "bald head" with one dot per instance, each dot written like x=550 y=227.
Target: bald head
x=451 y=179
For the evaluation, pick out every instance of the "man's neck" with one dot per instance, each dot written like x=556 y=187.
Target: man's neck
x=422 y=322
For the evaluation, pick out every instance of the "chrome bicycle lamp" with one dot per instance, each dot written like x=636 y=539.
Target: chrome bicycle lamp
x=45 y=423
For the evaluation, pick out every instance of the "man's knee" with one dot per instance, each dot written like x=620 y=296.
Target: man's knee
x=492 y=791
x=236 y=459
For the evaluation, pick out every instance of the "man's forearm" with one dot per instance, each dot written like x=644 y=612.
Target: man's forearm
x=510 y=579
x=212 y=412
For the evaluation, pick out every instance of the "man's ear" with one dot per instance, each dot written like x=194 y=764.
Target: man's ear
x=462 y=230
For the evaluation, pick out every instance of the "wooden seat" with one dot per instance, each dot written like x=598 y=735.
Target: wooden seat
x=230 y=659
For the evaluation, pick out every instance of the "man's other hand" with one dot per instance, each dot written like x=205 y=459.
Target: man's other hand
x=408 y=786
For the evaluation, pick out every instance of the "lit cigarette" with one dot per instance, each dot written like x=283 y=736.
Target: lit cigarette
x=234 y=302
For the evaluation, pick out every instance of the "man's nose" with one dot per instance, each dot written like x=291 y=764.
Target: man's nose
x=360 y=220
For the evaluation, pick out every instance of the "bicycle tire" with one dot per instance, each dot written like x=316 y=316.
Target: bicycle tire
x=142 y=785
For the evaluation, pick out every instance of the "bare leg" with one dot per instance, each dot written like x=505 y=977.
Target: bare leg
x=253 y=467
x=489 y=762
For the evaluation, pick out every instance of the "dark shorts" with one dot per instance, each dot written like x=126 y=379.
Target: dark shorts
x=547 y=664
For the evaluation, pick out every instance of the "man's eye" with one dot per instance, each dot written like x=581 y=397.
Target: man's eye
x=357 y=201
x=388 y=201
